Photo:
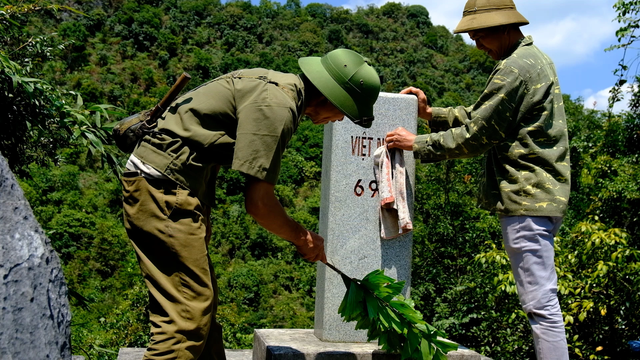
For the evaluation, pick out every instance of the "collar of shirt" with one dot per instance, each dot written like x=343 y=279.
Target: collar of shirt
x=525 y=41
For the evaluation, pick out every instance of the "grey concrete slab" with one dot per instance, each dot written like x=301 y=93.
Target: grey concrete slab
x=137 y=353
x=302 y=344
x=349 y=212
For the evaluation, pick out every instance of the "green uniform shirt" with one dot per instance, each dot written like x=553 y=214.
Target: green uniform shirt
x=243 y=119
x=520 y=125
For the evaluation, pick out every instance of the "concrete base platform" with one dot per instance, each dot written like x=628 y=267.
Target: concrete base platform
x=302 y=344
x=137 y=353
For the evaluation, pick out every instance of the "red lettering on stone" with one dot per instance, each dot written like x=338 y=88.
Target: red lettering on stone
x=355 y=145
x=370 y=140
x=363 y=146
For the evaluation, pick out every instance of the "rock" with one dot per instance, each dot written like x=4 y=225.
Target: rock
x=35 y=321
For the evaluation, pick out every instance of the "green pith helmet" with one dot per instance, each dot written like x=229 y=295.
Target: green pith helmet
x=346 y=79
x=482 y=14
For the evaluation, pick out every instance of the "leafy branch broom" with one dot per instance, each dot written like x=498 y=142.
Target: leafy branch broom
x=376 y=305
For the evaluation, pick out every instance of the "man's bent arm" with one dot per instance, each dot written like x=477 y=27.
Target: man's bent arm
x=262 y=204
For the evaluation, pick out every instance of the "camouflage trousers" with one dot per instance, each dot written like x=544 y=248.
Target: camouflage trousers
x=170 y=230
x=528 y=241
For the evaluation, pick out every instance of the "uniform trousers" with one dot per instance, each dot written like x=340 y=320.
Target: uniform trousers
x=528 y=241
x=170 y=230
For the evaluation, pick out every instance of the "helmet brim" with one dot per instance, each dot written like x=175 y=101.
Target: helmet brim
x=320 y=78
x=488 y=20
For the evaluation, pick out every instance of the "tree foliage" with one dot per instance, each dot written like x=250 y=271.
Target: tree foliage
x=41 y=119
x=628 y=12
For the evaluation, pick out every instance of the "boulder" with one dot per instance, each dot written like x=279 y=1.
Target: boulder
x=34 y=308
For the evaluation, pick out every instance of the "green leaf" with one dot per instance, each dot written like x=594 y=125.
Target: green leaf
x=357 y=296
x=406 y=351
x=383 y=321
x=104 y=350
x=372 y=305
x=346 y=280
x=395 y=322
x=96 y=118
x=445 y=345
x=377 y=277
x=382 y=341
x=79 y=102
x=363 y=323
x=413 y=338
x=97 y=144
x=393 y=340
x=439 y=356
x=396 y=287
x=408 y=312
x=426 y=349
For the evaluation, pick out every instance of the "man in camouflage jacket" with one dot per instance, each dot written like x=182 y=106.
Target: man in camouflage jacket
x=519 y=124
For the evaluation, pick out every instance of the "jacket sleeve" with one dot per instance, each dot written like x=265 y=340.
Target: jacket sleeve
x=446 y=118
x=469 y=132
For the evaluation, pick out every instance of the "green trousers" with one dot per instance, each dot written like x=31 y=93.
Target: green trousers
x=170 y=230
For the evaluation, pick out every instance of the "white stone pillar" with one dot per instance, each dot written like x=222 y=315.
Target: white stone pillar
x=349 y=212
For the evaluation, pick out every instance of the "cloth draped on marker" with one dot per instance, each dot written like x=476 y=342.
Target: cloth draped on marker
x=389 y=169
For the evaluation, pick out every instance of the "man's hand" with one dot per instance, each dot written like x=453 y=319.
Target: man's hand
x=312 y=248
x=424 y=110
x=262 y=204
x=400 y=138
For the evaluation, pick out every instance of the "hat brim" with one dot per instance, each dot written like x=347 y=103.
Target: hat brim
x=488 y=20
x=315 y=72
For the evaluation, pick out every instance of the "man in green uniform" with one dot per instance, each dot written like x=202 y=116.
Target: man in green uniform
x=243 y=119
x=519 y=124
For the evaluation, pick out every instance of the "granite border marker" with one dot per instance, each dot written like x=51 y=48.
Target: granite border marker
x=349 y=212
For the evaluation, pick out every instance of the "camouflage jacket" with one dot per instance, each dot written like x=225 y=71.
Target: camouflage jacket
x=519 y=124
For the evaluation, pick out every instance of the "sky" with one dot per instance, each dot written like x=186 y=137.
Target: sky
x=574 y=33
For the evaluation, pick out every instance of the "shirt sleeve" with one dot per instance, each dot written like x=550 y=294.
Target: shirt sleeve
x=444 y=119
x=469 y=132
x=264 y=129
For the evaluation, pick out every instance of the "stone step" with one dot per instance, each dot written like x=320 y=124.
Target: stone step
x=302 y=344
x=137 y=353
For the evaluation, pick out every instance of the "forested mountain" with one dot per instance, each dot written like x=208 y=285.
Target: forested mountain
x=128 y=53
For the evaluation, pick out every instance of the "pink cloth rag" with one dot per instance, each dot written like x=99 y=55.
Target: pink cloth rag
x=389 y=169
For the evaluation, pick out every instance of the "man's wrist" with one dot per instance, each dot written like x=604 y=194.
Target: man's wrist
x=301 y=235
x=429 y=115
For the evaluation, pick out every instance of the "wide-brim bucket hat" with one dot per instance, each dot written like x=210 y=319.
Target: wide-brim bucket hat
x=347 y=80
x=482 y=14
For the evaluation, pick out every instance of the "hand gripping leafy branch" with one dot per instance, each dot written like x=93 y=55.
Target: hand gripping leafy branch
x=376 y=305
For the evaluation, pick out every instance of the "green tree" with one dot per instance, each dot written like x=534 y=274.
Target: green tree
x=599 y=283
x=628 y=12
x=40 y=118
